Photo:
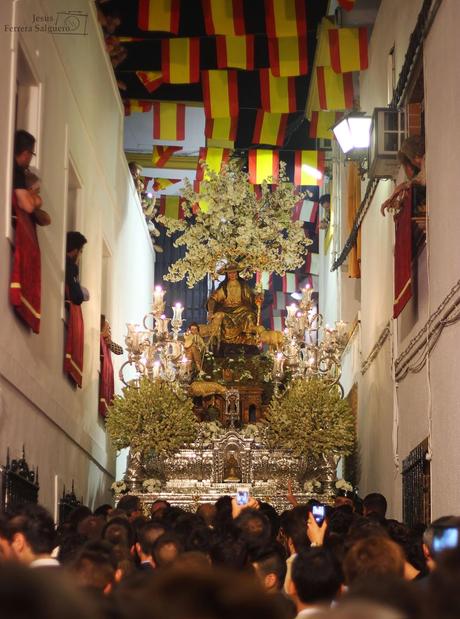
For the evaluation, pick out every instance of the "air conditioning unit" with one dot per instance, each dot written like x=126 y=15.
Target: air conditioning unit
x=388 y=131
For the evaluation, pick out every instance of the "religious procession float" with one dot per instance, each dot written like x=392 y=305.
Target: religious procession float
x=231 y=403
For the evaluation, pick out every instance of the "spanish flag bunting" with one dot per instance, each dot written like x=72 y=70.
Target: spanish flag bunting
x=348 y=49
x=168 y=121
x=269 y=128
x=214 y=158
x=281 y=299
x=160 y=184
x=220 y=93
x=335 y=90
x=223 y=16
x=312 y=263
x=305 y=211
x=171 y=206
x=180 y=60
x=235 y=52
x=221 y=129
x=290 y=282
x=263 y=165
x=309 y=167
x=264 y=278
x=159 y=15
x=136 y=105
x=276 y=322
x=162 y=154
x=277 y=94
x=288 y=56
x=285 y=18
x=347 y=4
x=150 y=79
x=321 y=124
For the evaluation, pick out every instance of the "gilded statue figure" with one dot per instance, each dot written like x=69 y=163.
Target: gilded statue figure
x=232 y=311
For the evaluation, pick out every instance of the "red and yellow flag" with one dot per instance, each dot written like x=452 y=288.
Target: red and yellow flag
x=285 y=18
x=335 y=90
x=263 y=165
x=288 y=56
x=214 y=158
x=221 y=129
x=277 y=94
x=220 y=93
x=162 y=154
x=235 y=52
x=160 y=184
x=180 y=60
x=348 y=49
x=347 y=4
x=223 y=16
x=171 y=206
x=159 y=15
x=136 y=105
x=269 y=128
x=150 y=79
x=321 y=124
x=168 y=121
x=309 y=167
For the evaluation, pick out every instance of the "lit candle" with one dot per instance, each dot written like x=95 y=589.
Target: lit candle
x=158 y=295
x=291 y=310
x=177 y=309
x=278 y=364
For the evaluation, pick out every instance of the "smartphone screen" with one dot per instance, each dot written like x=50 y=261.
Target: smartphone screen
x=242 y=496
x=445 y=538
x=319 y=513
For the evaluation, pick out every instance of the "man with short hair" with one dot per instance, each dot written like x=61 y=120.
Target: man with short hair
x=165 y=550
x=375 y=504
x=131 y=505
x=32 y=534
x=315 y=581
x=373 y=556
x=147 y=536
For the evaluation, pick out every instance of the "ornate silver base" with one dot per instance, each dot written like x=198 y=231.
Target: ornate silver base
x=208 y=470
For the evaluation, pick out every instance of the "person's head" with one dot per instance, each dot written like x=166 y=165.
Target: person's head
x=375 y=503
x=254 y=527
x=32 y=182
x=390 y=591
x=294 y=528
x=75 y=244
x=413 y=148
x=342 y=499
x=95 y=566
x=24 y=145
x=131 y=505
x=373 y=557
x=118 y=531
x=105 y=509
x=158 y=508
x=32 y=533
x=325 y=200
x=409 y=542
x=207 y=593
x=315 y=578
x=6 y=552
x=147 y=535
x=270 y=567
x=207 y=511
x=429 y=534
x=135 y=169
x=194 y=328
x=166 y=549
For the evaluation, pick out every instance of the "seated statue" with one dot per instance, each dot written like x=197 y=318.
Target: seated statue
x=232 y=311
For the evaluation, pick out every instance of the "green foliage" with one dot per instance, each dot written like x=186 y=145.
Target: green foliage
x=311 y=419
x=153 y=418
x=250 y=369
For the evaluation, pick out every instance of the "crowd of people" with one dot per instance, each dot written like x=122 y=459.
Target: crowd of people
x=227 y=560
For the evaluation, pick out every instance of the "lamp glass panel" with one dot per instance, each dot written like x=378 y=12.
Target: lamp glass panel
x=360 y=131
x=343 y=134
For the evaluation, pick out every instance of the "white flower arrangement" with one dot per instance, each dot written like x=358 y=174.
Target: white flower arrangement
x=118 y=487
x=311 y=486
x=342 y=484
x=151 y=486
x=233 y=225
x=252 y=430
